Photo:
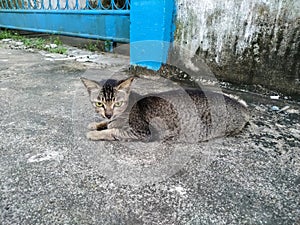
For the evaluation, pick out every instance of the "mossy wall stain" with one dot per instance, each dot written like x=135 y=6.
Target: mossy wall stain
x=248 y=41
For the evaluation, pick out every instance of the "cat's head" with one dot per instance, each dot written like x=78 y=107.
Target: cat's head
x=110 y=98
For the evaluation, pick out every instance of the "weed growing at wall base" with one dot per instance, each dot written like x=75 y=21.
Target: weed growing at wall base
x=53 y=44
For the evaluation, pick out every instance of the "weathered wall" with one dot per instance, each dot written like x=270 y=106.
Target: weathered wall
x=251 y=41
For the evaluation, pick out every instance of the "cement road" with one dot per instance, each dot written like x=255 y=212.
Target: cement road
x=50 y=173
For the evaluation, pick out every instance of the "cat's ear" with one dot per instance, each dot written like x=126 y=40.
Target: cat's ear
x=124 y=85
x=90 y=84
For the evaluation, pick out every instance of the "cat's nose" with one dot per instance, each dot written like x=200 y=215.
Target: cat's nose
x=108 y=116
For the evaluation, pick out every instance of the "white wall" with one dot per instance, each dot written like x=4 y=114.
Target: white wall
x=224 y=31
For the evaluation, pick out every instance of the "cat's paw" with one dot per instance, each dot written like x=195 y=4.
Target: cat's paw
x=105 y=135
x=93 y=135
x=93 y=126
x=97 y=126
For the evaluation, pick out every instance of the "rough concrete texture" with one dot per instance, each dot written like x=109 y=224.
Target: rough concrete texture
x=250 y=41
x=50 y=173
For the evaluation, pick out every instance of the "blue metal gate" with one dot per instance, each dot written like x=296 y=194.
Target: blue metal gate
x=148 y=25
x=98 y=19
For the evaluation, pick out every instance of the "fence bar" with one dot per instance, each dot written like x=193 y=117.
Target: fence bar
x=96 y=24
x=151 y=32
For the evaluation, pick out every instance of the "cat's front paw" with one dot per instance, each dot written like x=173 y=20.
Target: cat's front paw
x=93 y=126
x=105 y=135
x=97 y=126
x=93 y=135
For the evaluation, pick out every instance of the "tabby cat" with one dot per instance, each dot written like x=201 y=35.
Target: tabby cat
x=189 y=115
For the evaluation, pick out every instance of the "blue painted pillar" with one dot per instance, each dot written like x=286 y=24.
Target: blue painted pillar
x=151 y=32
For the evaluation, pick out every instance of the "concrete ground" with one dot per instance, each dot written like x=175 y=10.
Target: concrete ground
x=50 y=173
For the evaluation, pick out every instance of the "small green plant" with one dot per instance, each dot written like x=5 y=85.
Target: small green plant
x=59 y=50
x=94 y=46
x=91 y=47
x=36 y=43
x=55 y=40
x=108 y=46
x=8 y=35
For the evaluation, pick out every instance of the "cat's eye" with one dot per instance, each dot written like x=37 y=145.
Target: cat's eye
x=99 y=104
x=118 y=104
